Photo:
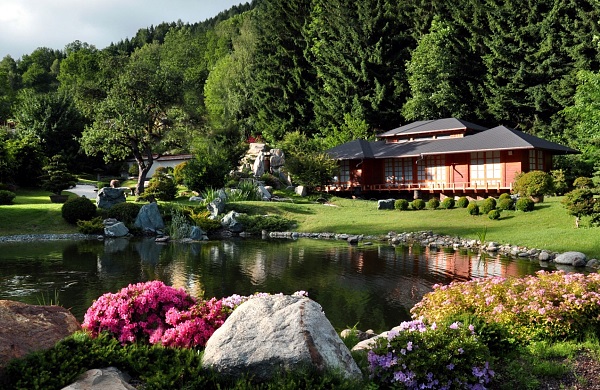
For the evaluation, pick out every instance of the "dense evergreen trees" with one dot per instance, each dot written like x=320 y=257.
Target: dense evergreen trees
x=334 y=70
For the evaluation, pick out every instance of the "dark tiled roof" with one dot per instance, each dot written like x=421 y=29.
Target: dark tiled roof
x=432 y=126
x=498 y=138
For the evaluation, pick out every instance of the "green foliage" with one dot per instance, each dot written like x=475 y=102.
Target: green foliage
x=179 y=226
x=56 y=178
x=133 y=170
x=560 y=181
x=473 y=208
x=78 y=209
x=493 y=214
x=247 y=190
x=448 y=203
x=6 y=197
x=93 y=226
x=208 y=168
x=462 y=202
x=533 y=184
x=418 y=204
x=125 y=212
x=487 y=205
x=506 y=204
x=504 y=195
x=524 y=204
x=161 y=187
x=255 y=224
x=433 y=203
x=581 y=202
x=202 y=220
x=401 y=204
x=178 y=176
x=584 y=183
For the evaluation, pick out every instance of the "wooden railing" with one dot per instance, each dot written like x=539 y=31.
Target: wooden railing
x=432 y=187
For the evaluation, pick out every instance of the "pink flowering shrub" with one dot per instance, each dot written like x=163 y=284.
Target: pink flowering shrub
x=550 y=305
x=418 y=356
x=155 y=313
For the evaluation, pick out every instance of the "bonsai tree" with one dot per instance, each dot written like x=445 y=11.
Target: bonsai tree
x=56 y=177
x=534 y=184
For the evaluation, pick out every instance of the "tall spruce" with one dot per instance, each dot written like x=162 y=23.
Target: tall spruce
x=358 y=50
x=281 y=74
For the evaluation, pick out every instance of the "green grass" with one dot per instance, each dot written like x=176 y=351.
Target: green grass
x=547 y=227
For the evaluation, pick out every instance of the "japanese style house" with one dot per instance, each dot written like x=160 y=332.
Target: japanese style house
x=444 y=157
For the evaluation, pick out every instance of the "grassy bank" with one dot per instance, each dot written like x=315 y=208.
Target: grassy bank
x=547 y=227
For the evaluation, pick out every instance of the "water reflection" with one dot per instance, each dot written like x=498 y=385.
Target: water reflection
x=368 y=286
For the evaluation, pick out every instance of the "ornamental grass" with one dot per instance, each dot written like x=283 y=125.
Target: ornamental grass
x=548 y=306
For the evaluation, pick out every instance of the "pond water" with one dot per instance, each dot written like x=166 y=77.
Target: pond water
x=372 y=287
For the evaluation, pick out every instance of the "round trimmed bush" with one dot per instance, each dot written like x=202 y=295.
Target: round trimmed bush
x=6 y=197
x=473 y=208
x=505 y=204
x=504 y=195
x=124 y=212
x=78 y=209
x=524 y=204
x=401 y=204
x=448 y=203
x=493 y=214
x=462 y=202
x=488 y=205
x=418 y=204
x=433 y=203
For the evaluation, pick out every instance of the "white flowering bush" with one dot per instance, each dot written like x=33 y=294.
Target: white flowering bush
x=421 y=356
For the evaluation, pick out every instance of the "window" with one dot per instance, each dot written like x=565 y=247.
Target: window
x=432 y=170
x=536 y=160
x=486 y=168
x=398 y=171
x=344 y=171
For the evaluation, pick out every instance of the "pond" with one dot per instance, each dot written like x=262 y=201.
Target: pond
x=370 y=286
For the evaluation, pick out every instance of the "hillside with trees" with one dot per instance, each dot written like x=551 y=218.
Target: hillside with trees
x=330 y=71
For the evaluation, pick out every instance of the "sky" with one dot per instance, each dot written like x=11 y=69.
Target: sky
x=26 y=25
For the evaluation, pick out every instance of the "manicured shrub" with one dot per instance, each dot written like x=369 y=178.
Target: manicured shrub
x=505 y=204
x=448 y=203
x=546 y=306
x=433 y=203
x=271 y=223
x=418 y=204
x=125 y=212
x=493 y=214
x=78 y=209
x=401 y=204
x=161 y=187
x=422 y=356
x=473 y=208
x=6 y=197
x=533 y=184
x=504 y=195
x=462 y=202
x=202 y=220
x=487 y=205
x=178 y=176
x=524 y=204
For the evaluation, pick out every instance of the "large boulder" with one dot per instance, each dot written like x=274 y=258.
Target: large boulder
x=576 y=259
x=28 y=328
x=266 y=334
x=102 y=379
x=229 y=221
x=108 y=197
x=114 y=228
x=216 y=207
x=149 y=219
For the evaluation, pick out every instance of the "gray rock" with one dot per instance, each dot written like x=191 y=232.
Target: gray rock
x=544 y=256
x=301 y=191
x=385 y=204
x=102 y=379
x=108 y=197
x=353 y=239
x=115 y=230
x=576 y=259
x=149 y=219
x=593 y=263
x=264 y=193
x=198 y=234
x=196 y=199
x=216 y=207
x=266 y=334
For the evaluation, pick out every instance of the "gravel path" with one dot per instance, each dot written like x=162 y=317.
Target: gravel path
x=44 y=237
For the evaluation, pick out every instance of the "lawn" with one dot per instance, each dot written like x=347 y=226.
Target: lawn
x=547 y=227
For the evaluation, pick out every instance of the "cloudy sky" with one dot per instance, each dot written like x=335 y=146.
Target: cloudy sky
x=26 y=25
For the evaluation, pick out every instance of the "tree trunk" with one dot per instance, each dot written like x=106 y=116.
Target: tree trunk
x=144 y=168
